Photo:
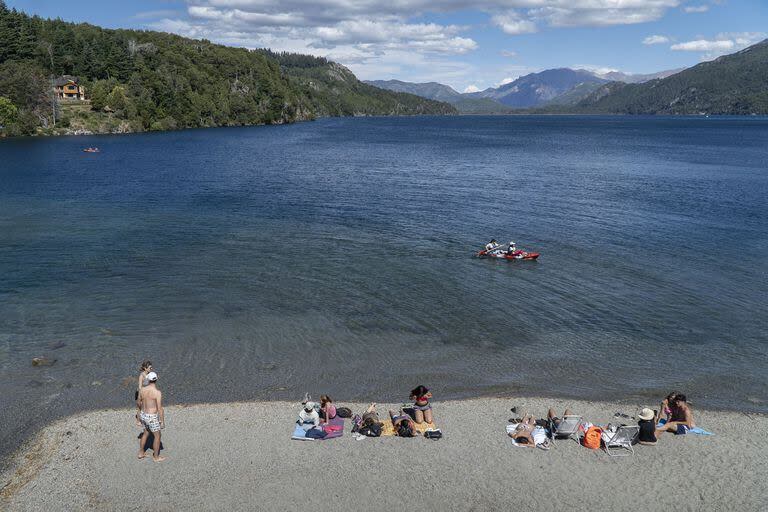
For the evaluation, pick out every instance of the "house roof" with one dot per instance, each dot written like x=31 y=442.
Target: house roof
x=65 y=79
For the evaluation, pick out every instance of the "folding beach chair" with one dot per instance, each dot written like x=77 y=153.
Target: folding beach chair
x=567 y=428
x=619 y=443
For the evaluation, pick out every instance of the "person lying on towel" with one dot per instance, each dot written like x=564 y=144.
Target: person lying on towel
x=523 y=433
x=404 y=426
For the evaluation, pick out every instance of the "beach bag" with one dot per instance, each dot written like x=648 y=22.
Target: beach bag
x=433 y=433
x=592 y=438
x=343 y=412
x=371 y=430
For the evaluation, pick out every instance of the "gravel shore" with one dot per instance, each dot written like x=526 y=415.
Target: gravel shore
x=240 y=457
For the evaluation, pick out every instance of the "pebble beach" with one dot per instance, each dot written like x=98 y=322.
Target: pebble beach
x=239 y=456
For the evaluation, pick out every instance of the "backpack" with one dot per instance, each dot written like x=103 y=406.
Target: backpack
x=592 y=438
x=343 y=412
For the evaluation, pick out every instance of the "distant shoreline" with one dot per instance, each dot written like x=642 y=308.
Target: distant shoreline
x=77 y=133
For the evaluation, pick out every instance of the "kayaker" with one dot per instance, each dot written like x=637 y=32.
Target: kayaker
x=493 y=244
x=512 y=248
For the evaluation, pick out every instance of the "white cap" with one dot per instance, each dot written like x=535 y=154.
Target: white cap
x=151 y=377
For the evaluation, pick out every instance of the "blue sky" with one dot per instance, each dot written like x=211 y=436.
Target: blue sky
x=468 y=45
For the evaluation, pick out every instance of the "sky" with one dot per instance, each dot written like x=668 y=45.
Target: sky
x=467 y=45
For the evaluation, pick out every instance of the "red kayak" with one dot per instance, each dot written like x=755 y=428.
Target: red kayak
x=516 y=255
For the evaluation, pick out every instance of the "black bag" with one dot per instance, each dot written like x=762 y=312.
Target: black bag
x=434 y=434
x=373 y=430
x=343 y=412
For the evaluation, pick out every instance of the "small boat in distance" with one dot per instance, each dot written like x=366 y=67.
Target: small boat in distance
x=91 y=150
x=516 y=255
x=495 y=250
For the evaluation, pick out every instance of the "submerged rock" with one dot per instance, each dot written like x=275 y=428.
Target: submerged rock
x=43 y=361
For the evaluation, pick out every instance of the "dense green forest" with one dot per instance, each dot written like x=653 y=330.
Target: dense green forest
x=143 y=80
x=731 y=84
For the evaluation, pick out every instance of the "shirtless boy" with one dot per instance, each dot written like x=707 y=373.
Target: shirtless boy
x=152 y=415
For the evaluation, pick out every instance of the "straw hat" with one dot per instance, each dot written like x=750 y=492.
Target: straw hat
x=646 y=414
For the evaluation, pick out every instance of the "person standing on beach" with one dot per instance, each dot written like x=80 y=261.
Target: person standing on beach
x=144 y=369
x=152 y=415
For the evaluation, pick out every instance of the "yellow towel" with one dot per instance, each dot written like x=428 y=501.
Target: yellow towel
x=389 y=429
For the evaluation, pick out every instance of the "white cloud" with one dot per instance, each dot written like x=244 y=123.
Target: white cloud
x=505 y=81
x=508 y=53
x=655 y=39
x=695 y=8
x=725 y=42
x=511 y=23
x=391 y=38
x=599 y=70
x=703 y=45
x=471 y=88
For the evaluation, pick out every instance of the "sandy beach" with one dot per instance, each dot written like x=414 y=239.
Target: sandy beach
x=240 y=457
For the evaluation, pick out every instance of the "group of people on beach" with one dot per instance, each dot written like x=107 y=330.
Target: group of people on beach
x=674 y=415
x=313 y=416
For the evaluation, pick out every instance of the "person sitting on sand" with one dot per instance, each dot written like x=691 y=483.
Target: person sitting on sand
x=144 y=369
x=665 y=407
x=647 y=424
x=327 y=409
x=308 y=416
x=554 y=420
x=403 y=424
x=152 y=415
x=680 y=416
x=422 y=410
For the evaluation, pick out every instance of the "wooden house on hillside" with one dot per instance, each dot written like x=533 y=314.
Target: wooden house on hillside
x=68 y=88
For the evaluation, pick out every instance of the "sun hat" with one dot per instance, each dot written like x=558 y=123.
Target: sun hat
x=646 y=414
x=151 y=377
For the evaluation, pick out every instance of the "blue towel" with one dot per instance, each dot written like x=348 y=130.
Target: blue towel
x=300 y=434
x=695 y=430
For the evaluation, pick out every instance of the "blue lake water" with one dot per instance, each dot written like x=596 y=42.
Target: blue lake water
x=336 y=256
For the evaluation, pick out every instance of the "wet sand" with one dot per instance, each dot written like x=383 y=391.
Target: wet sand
x=240 y=457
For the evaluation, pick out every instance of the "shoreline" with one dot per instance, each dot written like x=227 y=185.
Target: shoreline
x=252 y=437
x=78 y=133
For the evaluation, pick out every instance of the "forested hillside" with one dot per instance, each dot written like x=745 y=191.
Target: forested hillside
x=333 y=90
x=731 y=84
x=142 y=80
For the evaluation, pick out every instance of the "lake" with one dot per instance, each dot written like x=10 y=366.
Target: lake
x=337 y=256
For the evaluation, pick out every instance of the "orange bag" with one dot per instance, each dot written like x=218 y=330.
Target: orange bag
x=592 y=438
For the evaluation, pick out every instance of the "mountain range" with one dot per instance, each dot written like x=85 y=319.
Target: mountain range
x=731 y=84
x=562 y=86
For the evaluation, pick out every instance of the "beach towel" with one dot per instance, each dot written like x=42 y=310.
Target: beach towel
x=539 y=435
x=695 y=430
x=389 y=429
x=299 y=434
x=334 y=428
